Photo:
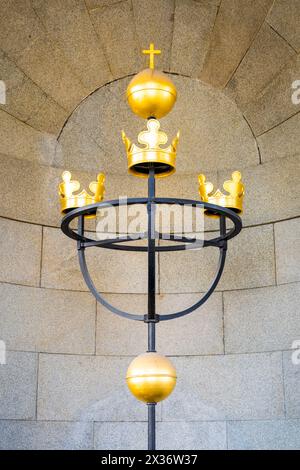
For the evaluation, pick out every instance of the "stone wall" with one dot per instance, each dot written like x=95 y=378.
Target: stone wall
x=63 y=385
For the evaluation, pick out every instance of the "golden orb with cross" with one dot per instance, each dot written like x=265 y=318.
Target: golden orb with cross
x=151 y=94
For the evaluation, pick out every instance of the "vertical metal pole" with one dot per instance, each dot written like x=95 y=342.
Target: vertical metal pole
x=151 y=426
x=151 y=337
x=151 y=296
x=151 y=245
x=80 y=228
x=223 y=225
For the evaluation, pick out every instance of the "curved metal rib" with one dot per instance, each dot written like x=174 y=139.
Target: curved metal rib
x=164 y=317
x=203 y=299
x=97 y=295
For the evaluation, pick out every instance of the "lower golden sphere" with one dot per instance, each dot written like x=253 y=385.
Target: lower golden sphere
x=151 y=378
x=151 y=94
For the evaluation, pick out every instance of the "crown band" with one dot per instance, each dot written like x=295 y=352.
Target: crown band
x=233 y=200
x=163 y=160
x=70 y=201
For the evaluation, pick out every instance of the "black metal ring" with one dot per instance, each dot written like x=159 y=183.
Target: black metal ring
x=118 y=243
x=114 y=243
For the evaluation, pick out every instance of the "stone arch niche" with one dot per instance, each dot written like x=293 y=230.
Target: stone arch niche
x=63 y=383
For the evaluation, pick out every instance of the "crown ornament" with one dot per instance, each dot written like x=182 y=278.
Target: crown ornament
x=233 y=200
x=140 y=159
x=150 y=377
x=69 y=200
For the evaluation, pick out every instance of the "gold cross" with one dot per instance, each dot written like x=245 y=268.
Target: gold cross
x=151 y=51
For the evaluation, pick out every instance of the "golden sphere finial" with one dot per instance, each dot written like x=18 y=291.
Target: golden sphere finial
x=151 y=93
x=151 y=377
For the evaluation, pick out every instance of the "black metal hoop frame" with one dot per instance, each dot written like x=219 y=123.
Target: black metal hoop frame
x=118 y=244
x=185 y=243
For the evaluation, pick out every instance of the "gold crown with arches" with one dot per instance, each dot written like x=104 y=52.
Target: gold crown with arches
x=234 y=187
x=69 y=200
x=139 y=158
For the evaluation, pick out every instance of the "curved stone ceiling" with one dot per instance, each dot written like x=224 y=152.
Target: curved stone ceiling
x=64 y=63
x=214 y=133
x=54 y=54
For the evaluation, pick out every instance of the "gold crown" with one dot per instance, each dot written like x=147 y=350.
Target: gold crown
x=233 y=200
x=69 y=200
x=141 y=159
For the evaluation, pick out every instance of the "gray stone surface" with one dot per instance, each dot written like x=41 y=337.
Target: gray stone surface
x=47 y=320
x=268 y=197
x=79 y=150
x=69 y=25
x=116 y=30
x=93 y=4
x=282 y=141
x=120 y=436
x=187 y=187
x=212 y=123
x=291 y=366
x=286 y=21
x=174 y=435
x=60 y=82
x=154 y=20
x=287 y=245
x=122 y=273
x=191 y=436
x=86 y=388
x=50 y=117
x=226 y=387
x=36 y=199
x=266 y=57
x=126 y=185
x=102 y=116
x=23 y=97
x=193 y=24
x=18 y=378
x=232 y=36
x=264 y=319
x=264 y=435
x=25 y=435
x=19 y=140
x=268 y=190
x=250 y=263
x=60 y=265
x=183 y=221
x=20 y=252
x=204 y=116
x=274 y=105
x=19 y=26
x=258 y=179
x=204 y=328
x=53 y=55
x=27 y=102
x=118 y=336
